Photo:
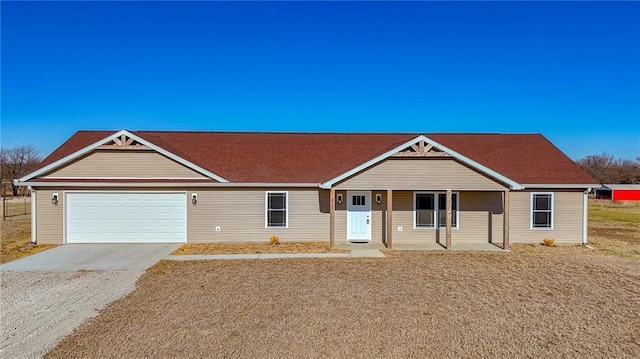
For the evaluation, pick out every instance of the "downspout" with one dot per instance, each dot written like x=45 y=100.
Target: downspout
x=34 y=237
x=585 y=212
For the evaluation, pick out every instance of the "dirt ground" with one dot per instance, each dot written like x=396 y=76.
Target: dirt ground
x=567 y=302
x=38 y=309
x=254 y=247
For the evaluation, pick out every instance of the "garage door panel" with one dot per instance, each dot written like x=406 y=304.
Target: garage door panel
x=125 y=217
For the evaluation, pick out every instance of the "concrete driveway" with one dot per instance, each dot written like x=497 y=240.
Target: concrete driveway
x=74 y=257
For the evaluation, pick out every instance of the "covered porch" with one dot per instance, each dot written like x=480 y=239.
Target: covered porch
x=466 y=220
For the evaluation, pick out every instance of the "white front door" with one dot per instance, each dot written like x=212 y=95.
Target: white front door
x=359 y=216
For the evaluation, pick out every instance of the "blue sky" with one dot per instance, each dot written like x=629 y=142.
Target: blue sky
x=569 y=70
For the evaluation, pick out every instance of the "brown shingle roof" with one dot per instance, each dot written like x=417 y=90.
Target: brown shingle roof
x=525 y=158
x=319 y=157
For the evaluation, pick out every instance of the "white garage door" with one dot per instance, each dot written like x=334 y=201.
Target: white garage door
x=126 y=217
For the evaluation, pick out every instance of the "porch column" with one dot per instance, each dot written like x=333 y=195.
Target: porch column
x=448 y=219
x=389 y=238
x=332 y=217
x=505 y=214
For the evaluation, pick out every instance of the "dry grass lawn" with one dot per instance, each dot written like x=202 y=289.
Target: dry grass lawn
x=559 y=302
x=614 y=227
x=255 y=247
x=16 y=238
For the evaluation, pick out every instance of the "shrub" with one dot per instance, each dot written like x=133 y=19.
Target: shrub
x=274 y=240
x=549 y=242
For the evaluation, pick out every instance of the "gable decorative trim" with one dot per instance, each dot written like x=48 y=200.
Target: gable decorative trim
x=126 y=139
x=426 y=141
x=421 y=149
x=124 y=142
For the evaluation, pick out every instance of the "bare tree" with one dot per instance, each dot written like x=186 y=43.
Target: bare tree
x=627 y=171
x=606 y=169
x=16 y=162
x=4 y=177
x=598 y=166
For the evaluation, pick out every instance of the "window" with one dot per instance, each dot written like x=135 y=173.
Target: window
x=425 y=209
x=542 y=210
x=430 y=209
x=358 y=201
x=277 y=214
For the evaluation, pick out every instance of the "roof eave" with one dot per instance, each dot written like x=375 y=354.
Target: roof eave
x=151 y=183
x=560 y=185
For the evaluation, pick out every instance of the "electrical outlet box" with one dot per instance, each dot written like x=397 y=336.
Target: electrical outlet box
x=399 y=228
x=218 y=229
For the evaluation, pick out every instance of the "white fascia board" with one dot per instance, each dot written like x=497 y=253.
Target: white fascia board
x=559 y=186
x=260 y=184
x=167 y=184
x=95 y=145
x=512 y=184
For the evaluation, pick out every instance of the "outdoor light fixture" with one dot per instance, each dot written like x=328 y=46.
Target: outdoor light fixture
x=339 y=197
x=54 y=199
x=194 y=198
x=378 y=198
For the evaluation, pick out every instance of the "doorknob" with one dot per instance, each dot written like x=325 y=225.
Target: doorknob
x=367 y=220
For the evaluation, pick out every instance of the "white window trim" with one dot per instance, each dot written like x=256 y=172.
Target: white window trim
x=553 y=211
x=266 y=208
x=435 y=212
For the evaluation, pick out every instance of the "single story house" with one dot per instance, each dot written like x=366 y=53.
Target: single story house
x=198 y=187
x=618 y=192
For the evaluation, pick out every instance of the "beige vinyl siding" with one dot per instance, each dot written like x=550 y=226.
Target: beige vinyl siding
x=240 y=214
x=341 y=218
x=567 y=217
x=121 y=163
x=480 y=218
x=49 y=222
x=403 y=217
x=420 y=174
x=378 y=217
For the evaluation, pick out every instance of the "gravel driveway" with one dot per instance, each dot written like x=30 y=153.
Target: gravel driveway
x=38 y=309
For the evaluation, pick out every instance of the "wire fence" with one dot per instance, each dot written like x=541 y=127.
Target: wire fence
x=15 y=206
